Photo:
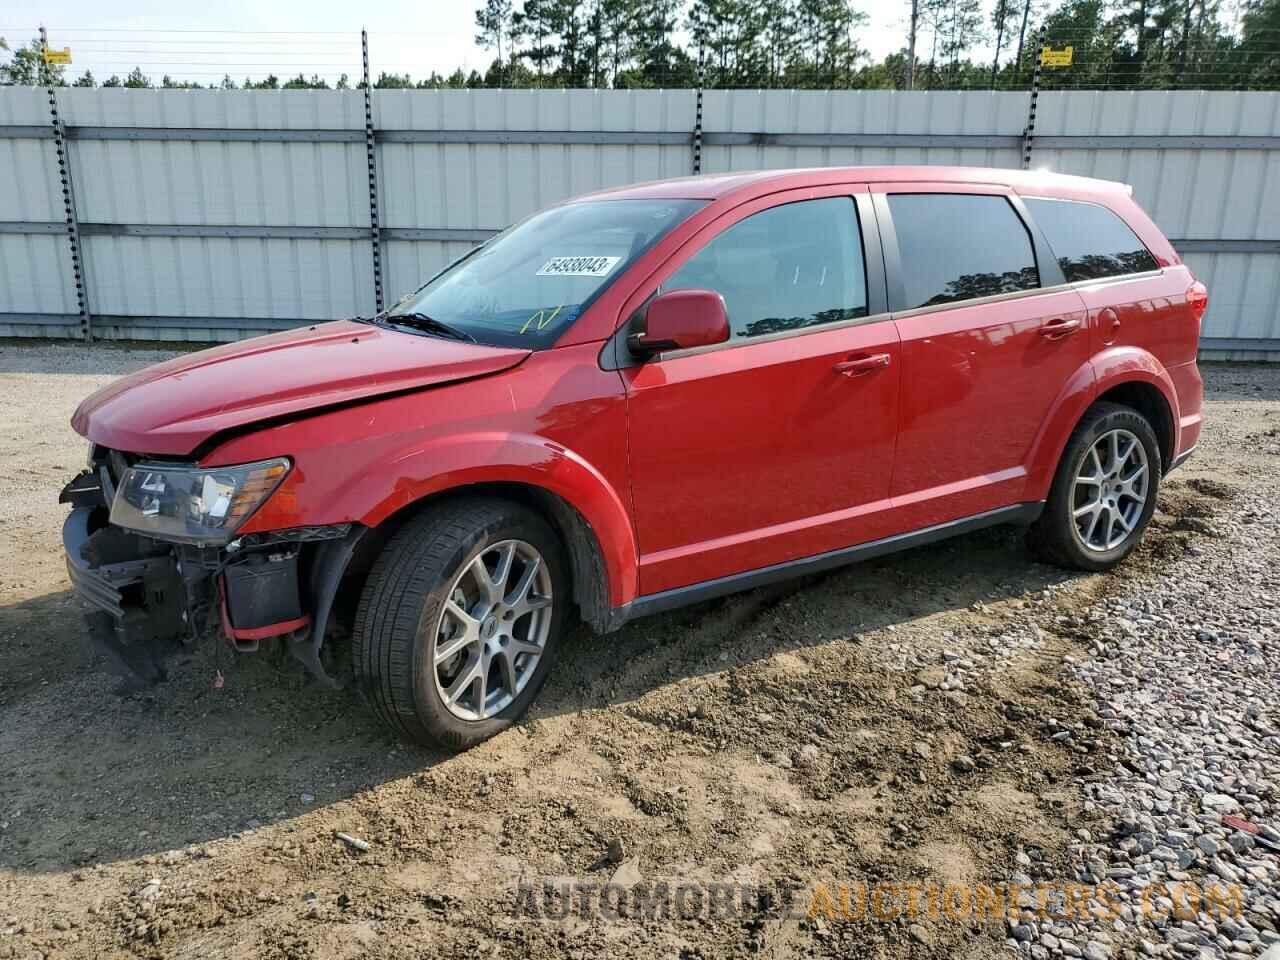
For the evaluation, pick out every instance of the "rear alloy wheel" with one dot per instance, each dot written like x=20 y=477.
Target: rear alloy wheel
x=1104 y=492
x=459 y=621
x=1110 y=492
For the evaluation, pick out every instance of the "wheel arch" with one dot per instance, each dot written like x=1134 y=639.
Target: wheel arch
x=1127 y=375
x=589 y=577
x=1146 y=398
x=1135 y=378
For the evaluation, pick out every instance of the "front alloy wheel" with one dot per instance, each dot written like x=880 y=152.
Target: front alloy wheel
x=460 y=619
x=492 y=630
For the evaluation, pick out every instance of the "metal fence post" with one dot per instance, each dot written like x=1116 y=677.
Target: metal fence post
x=68 y=193
x=371 y=153
x=1029 y=133
x=697 y=119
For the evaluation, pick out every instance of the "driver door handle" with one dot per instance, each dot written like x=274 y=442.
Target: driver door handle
x=1060 y=328
x=860 y=366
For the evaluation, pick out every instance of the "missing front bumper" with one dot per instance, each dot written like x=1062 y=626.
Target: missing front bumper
x=136 y=591
x=149 y=596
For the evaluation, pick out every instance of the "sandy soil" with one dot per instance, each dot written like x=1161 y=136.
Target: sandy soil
x=804 y=733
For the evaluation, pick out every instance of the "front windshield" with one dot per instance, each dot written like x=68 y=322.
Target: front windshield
x=527 y=285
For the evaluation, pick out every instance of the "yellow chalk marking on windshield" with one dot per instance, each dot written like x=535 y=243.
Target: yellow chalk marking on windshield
x=541 y=317
x=530 y=320
x=543 y=323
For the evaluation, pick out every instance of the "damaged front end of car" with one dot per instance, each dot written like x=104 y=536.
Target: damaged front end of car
x=152 y=547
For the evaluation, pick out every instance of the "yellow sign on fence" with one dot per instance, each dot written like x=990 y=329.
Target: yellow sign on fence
x=1050 y=57
x=58 y=56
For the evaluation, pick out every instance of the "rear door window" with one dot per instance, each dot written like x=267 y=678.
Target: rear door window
x=792 y=266
x=1089 y=240
x=957 y=247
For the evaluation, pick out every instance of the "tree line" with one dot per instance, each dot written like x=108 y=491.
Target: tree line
x=23 y=69
x=620 y=44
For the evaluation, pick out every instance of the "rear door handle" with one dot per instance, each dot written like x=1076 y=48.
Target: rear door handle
x=1058 y=329
x=860 y=366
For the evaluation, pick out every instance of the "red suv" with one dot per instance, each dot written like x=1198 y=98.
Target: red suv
x=641 y=399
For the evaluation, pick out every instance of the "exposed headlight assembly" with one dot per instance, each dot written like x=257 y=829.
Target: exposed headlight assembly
x=201 y=505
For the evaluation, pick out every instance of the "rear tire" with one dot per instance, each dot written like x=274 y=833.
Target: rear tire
x=1104 y=492
x=446 y=650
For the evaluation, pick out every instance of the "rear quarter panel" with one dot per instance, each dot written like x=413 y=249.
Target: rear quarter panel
x=1148 y=311
x=1142 y=328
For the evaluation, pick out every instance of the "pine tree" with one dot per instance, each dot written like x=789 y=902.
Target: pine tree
x=963 y=29
x=727 y=33
x=532 y=23
x=912 y=33
x=1019 y=58
x=616 y=39
x=658 y=61
x=1003 y=19
x=781 y=45
x=493 y=26
x=137 y=79
x=566 y=20
x=934 y=14
x=1259 y=66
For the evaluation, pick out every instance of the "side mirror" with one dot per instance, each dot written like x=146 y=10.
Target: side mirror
x=679 y=320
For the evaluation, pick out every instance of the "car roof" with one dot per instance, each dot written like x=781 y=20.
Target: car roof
x=746 y=184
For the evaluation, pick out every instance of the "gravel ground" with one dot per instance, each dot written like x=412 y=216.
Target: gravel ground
x=952 y=715
x=1186 y=668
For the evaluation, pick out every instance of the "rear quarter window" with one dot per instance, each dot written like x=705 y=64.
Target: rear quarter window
x=1089 y=240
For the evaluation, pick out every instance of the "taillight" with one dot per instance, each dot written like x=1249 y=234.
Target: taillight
x=1198 y=300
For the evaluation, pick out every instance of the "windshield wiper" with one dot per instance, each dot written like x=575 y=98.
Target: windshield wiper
x=426 y=324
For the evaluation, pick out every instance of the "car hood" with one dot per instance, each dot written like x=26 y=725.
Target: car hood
x=173 y=407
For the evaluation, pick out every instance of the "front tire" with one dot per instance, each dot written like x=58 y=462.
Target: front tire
x=460 y=620
x=1104 y=492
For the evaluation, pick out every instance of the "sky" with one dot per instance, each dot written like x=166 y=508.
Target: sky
x=289 y=36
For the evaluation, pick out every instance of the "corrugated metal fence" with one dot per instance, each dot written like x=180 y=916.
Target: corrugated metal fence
x=209 y=215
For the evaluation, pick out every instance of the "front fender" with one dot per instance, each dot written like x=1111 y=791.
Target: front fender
x=400 y=478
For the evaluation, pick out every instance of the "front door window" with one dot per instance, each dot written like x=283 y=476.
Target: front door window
x=789 y=267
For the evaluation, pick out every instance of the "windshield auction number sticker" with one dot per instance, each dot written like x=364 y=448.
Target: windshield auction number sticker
x=578 y=266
